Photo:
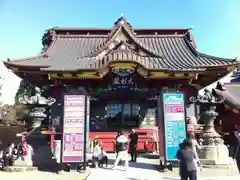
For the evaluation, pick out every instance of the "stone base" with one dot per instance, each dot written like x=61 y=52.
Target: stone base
x=215 y=155
x=20 y=169
x=215 y=164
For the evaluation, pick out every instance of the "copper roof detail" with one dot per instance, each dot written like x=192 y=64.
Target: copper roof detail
x=91 y=49
x=230 y=92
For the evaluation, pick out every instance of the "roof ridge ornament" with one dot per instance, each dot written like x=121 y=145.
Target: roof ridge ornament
x=122 y=26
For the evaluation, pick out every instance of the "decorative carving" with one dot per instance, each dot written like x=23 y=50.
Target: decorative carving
x=143 y=72
x=208 y=97
x=220 y=87
x=36 y=99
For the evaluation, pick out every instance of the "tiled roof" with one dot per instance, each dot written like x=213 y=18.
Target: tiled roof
x=173 y=52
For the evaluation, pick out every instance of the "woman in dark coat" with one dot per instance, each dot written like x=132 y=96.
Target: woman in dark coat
x=182 y=166
x=188 y=166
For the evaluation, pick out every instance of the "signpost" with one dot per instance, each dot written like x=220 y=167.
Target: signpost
x=174 y=123
x=74 y=129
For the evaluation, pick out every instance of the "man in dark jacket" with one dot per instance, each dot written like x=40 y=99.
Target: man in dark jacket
x=117 y=145
x=122 y=144
x=133 y=145
x=188 y=166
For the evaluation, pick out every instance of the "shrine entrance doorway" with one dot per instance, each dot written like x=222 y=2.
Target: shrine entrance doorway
x=122 y=115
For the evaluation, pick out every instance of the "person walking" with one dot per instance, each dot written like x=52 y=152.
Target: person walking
x=117 y=145
x=188 y=165
x=122 y=144
x=133 y=145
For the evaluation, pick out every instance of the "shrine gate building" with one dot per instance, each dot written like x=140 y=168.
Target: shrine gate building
x=123 y=70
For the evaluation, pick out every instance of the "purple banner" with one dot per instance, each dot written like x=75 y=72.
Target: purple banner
x=73 y=128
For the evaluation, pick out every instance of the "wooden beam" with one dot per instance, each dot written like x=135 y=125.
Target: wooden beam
x=82 y=75
x=173 y=75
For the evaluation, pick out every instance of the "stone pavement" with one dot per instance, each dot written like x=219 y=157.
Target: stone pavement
x=38 y=175
x=146 y=174
x=145 y=169
x=102 y=174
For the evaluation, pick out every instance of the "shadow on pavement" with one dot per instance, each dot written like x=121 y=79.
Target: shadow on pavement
x=149 y=156
x=167 y=178
x=47 y=168
x=142 y=165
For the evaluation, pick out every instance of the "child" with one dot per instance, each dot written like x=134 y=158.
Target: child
x=188 y=166
x=102 y=158
x=96 y=153
x=1 y=159
x=27 y=153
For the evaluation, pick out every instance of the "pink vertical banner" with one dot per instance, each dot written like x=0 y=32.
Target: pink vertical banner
x=73 y=129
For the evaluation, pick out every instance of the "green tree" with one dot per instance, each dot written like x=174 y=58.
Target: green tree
x=13 y=114
x=25 y=89
x=46 y=39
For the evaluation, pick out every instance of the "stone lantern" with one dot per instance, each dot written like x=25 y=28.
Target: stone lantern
x=214 y=151
x=37 y=105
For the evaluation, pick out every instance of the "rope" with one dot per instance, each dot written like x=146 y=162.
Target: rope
x=31 y=131
x=87 y=176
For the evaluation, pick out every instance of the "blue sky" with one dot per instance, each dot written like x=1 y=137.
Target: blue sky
x=216 y=23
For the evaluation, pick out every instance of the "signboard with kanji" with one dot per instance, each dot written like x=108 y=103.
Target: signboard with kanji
x=73 y=128
x=174 y=123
